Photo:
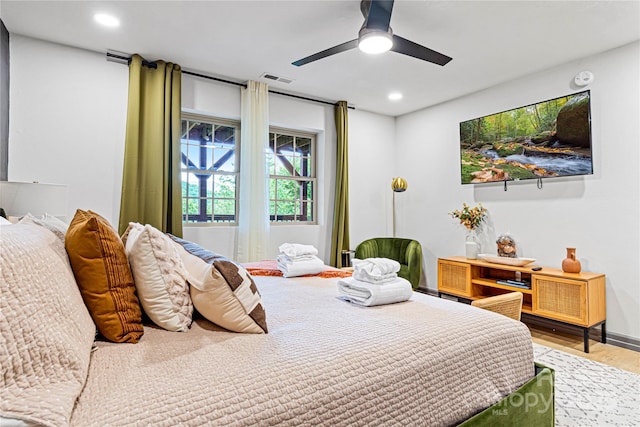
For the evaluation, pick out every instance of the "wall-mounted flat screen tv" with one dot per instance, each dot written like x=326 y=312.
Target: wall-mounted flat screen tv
x=547 y=139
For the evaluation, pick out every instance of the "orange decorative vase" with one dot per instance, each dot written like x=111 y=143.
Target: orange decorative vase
x=570 y=264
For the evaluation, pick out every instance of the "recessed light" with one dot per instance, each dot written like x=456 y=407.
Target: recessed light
x=106 y=20
x=395 y=96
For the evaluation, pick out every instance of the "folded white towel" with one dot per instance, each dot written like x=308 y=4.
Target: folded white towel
x=296 y=249
x=375 y=270
x=286 y=258
x=368 y=294
x=301 y=267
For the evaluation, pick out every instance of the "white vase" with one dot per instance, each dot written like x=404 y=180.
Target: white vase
x=472 y=245
x=471 y=250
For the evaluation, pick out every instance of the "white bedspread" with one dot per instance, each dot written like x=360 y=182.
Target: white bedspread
x=427 y=362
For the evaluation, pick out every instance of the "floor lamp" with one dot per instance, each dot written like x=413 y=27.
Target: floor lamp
x=398 y=185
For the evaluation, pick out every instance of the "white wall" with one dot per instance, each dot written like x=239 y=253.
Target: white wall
x=597 y=214
x=67 y=122
x=372 y=152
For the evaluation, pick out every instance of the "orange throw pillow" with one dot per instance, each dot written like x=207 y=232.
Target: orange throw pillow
x=102 y=271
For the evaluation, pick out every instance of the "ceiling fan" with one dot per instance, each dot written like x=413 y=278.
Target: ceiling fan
x=376 y=36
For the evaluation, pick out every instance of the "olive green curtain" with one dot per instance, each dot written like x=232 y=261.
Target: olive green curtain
x=151 y=183
x=340 y=233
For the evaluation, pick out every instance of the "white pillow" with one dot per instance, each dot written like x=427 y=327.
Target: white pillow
x=4 y=221
x=221 y=290
x=160 y=277
x=50 y=222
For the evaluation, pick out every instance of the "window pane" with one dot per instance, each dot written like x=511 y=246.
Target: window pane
x=225 y=209
x=308 y=210
x=284 y=144
x=193 y=156
x=209 y=217
x=193 y=207
x=272 y=188
x=225 y=160
x=192 y=185
x=286 y=209
x=225 y=136
x=284 y=166
x=303 y=146
x=306 y=189
x=225 y=186
x=288 y=189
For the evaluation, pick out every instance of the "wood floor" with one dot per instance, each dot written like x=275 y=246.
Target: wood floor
x=608 y=354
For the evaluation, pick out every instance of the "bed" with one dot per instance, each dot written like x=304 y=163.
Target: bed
x=324 y=361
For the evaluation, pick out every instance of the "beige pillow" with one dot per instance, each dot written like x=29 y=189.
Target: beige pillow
x=50 y=222
x=101 y=268
x=221 y=290
x=45 y=329
x=160 y=277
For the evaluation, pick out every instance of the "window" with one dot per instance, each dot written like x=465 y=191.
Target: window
x=209 y=170
x=292 y=176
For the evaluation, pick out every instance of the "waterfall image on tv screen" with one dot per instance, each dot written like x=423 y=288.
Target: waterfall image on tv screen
x=547 y=139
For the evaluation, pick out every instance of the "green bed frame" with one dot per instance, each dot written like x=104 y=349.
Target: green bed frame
x=533 y=404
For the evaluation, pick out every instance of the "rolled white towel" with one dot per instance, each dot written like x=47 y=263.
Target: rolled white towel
x=375 y=270
x=369 y=294
x=296 y=249
x=300 y=267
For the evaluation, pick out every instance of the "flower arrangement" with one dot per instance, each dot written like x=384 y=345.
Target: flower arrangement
x=471 y=218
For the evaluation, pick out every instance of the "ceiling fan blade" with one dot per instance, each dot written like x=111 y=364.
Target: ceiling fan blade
x=407 y=47
x=328 y=52
x=379 y=15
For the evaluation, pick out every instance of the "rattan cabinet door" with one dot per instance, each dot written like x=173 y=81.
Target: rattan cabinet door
x=454 y=278
x=560 y=299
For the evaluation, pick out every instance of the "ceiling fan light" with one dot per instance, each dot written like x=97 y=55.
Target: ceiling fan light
x=375 y=42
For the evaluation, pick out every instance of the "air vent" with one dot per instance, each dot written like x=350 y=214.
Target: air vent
x=119 y=57
x=275 y=78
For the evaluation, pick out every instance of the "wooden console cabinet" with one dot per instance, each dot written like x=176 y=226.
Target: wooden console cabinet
x=575 y=299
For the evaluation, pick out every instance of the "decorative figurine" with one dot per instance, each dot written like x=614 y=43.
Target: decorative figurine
x=506 y=246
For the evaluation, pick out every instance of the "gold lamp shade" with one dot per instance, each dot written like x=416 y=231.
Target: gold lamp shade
x=399 y=184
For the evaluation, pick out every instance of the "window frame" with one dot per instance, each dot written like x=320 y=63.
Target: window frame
x=214 y=121
x=313 y=178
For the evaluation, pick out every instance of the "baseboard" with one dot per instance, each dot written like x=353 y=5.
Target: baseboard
x=595 y=333
x=623 y=341
x=428 y=291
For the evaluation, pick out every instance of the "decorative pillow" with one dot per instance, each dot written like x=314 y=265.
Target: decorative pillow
x=221 y=290
x=160 y=277
x=45 y=329
x=100 y=265
x=50 y=222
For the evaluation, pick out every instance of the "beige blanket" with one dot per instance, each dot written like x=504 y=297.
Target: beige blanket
x=426 y=361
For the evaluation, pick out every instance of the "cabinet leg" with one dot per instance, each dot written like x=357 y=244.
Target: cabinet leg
x=585 y=333
x=603 y=332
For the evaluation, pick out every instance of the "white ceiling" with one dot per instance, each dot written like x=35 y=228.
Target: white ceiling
x=490 y=41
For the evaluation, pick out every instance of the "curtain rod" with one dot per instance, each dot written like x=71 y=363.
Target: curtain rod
x=124 y=59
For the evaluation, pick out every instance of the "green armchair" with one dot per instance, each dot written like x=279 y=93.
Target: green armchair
x=407 y=252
